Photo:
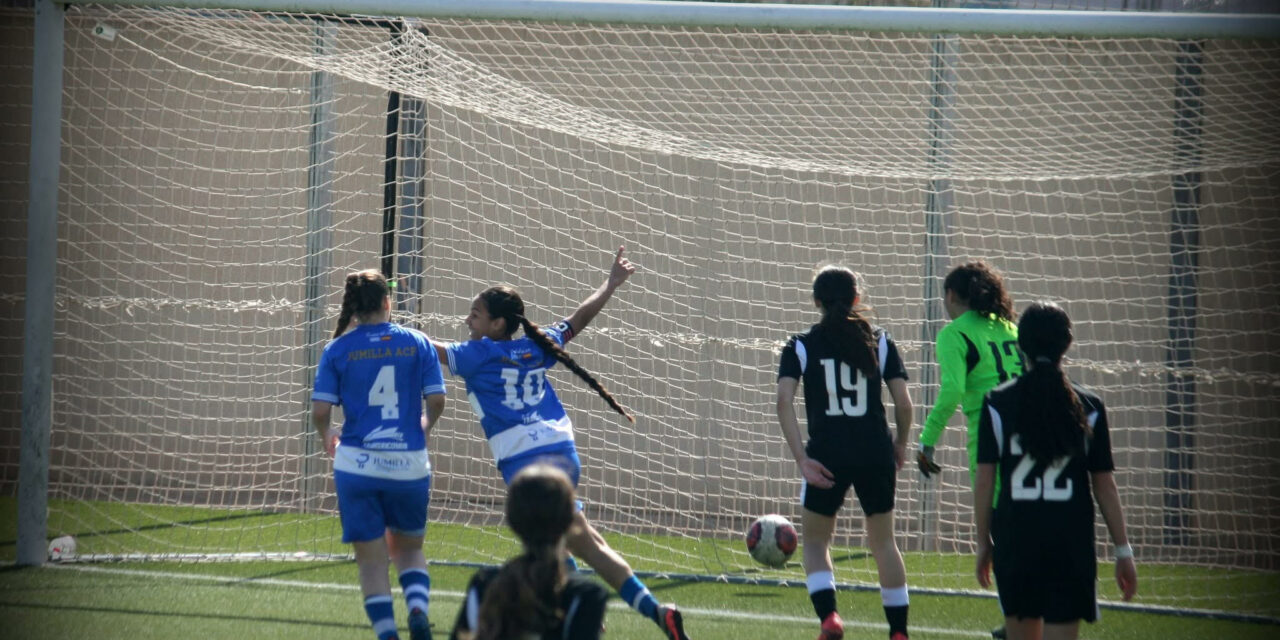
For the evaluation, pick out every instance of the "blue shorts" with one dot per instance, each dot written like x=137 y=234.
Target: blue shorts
x=566 y=461
x=369 y=506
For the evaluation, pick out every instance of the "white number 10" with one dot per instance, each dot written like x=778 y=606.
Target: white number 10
x=383 y=393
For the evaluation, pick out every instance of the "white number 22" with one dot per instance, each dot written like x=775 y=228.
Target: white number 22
x=1044 y=486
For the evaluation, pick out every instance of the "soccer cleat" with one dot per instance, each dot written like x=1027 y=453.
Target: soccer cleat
x=832 y=627
x=419 y=626
x=898 y=635
x=999 y=633
x=671 y=622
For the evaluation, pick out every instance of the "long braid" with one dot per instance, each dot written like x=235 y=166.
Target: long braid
x=349 y=294
x=547 y=344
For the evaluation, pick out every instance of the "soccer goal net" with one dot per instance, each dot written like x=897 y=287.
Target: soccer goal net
x=222 y=170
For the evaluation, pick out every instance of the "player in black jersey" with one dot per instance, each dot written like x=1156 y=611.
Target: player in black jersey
x=533 y=596
x=843 y=360
x=1049 y=441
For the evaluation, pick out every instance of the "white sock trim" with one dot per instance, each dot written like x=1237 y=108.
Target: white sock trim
x=384 y=625
x=409 y=571
x=895 y=597
x=635 y=602
x=820 y=581
x=377 y=599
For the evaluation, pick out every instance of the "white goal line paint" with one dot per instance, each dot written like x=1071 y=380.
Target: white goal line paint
x=613 y=604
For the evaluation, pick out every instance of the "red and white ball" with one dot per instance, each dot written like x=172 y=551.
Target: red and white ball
x=771 y=540
x=62 y=548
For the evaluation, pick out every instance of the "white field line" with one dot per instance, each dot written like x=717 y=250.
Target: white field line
x=441 y=593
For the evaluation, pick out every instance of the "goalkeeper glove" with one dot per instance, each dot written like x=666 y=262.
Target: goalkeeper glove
x=924 y=459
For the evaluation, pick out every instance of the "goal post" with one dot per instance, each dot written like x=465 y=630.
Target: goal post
x=222 y=166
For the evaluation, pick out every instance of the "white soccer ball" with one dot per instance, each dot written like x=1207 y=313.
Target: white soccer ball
x=62 y=548
x=771 y=540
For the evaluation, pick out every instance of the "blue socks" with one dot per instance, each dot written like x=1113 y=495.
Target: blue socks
x=637 y=595
x=381 y=615
x=417 y=588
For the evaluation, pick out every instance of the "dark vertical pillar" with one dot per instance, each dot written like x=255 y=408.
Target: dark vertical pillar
x=1184 y=247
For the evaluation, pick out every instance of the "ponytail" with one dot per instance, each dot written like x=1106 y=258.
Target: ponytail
x=362 y=295
x=982 y=287
x=547 y=344
x=524 y=597
x=1051 y=419
x=836 y=288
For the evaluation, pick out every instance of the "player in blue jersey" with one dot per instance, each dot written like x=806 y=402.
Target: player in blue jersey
x=380 y=372
x=506 y=381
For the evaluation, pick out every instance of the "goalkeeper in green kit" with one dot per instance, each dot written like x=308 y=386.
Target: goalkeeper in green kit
x=976 y=351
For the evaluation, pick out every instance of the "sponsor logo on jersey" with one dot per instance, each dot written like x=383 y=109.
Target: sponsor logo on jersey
x=384 y=438
x=531 y=417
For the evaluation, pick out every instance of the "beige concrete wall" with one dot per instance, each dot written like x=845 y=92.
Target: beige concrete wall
x=181 y=357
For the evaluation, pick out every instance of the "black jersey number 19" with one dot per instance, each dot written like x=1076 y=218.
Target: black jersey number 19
x=1010 y=348
x=850 y=380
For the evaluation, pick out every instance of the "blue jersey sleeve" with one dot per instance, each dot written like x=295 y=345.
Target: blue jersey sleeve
x=465 y=358
x=327 y=386
x=432 y=376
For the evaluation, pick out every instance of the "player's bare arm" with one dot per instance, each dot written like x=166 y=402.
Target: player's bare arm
x=619 y=271
x=321 y=417
x=814 y=472
x=1108 y=499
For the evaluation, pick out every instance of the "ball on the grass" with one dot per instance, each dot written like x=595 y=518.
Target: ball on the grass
x=62 y=548
x=771 y=540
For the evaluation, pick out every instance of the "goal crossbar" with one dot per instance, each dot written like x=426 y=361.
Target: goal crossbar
x=1095 y=24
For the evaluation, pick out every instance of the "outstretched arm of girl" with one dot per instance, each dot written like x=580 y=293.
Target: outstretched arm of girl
x=587 y=311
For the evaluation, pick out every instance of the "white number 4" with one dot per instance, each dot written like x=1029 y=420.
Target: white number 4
x=383 y=393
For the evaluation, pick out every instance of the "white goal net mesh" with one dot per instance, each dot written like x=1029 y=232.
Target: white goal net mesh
x=212 y=160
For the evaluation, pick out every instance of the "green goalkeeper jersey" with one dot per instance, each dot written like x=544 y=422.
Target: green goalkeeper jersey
x=975 y=353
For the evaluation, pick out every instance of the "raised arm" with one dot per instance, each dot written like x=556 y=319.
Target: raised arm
x=590 y=308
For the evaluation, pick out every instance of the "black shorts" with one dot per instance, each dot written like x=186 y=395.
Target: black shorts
x=1059 y=600
x=873 y=485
